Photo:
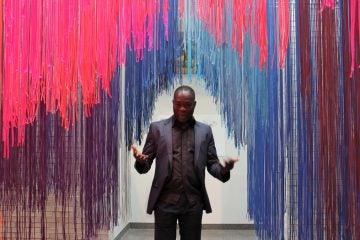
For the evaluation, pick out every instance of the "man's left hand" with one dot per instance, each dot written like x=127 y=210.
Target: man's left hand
x=228 y=164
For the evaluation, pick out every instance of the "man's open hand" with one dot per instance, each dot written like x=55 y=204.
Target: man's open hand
x=228 y=164
x=138 y=155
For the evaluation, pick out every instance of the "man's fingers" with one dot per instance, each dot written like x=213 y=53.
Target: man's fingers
x=228 y=163
x=138 y=154
x=143 y=156
x=232 y=160
x=134 y=149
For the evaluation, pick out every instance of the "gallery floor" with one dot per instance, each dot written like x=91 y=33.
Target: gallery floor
x=207 y=234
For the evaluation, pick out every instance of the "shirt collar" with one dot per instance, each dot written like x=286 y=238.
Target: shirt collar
x=189 y=123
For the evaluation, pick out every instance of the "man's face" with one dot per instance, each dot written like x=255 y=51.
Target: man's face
x=183 y=106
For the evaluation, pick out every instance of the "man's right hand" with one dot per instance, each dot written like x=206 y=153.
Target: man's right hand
x=138 y=155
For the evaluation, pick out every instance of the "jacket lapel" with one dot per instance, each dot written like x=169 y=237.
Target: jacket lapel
x=197 y=134
x=168 y=139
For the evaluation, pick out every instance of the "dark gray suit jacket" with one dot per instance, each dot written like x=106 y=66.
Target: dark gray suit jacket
x=159 y=145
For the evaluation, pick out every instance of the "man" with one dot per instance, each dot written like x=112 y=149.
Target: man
x=183 y=147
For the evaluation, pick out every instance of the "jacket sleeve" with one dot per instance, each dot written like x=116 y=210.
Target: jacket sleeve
x=213 y=163
x=150 y=150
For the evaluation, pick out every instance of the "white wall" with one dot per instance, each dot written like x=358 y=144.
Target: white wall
x=124 y=169
x=228 y=200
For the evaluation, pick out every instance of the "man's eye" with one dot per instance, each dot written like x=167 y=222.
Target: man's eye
x=186 y=105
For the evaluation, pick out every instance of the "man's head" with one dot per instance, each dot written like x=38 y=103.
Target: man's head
x=184 y=103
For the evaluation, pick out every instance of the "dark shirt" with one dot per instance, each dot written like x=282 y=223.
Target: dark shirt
x=183 y=188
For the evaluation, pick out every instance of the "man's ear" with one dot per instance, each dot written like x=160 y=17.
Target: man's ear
x=194 y=103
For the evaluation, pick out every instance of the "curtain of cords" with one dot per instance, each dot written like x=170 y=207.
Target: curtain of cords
x=62 y=64
x=284 y=75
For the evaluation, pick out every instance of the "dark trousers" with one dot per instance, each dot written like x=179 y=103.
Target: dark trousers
x=189 y=225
